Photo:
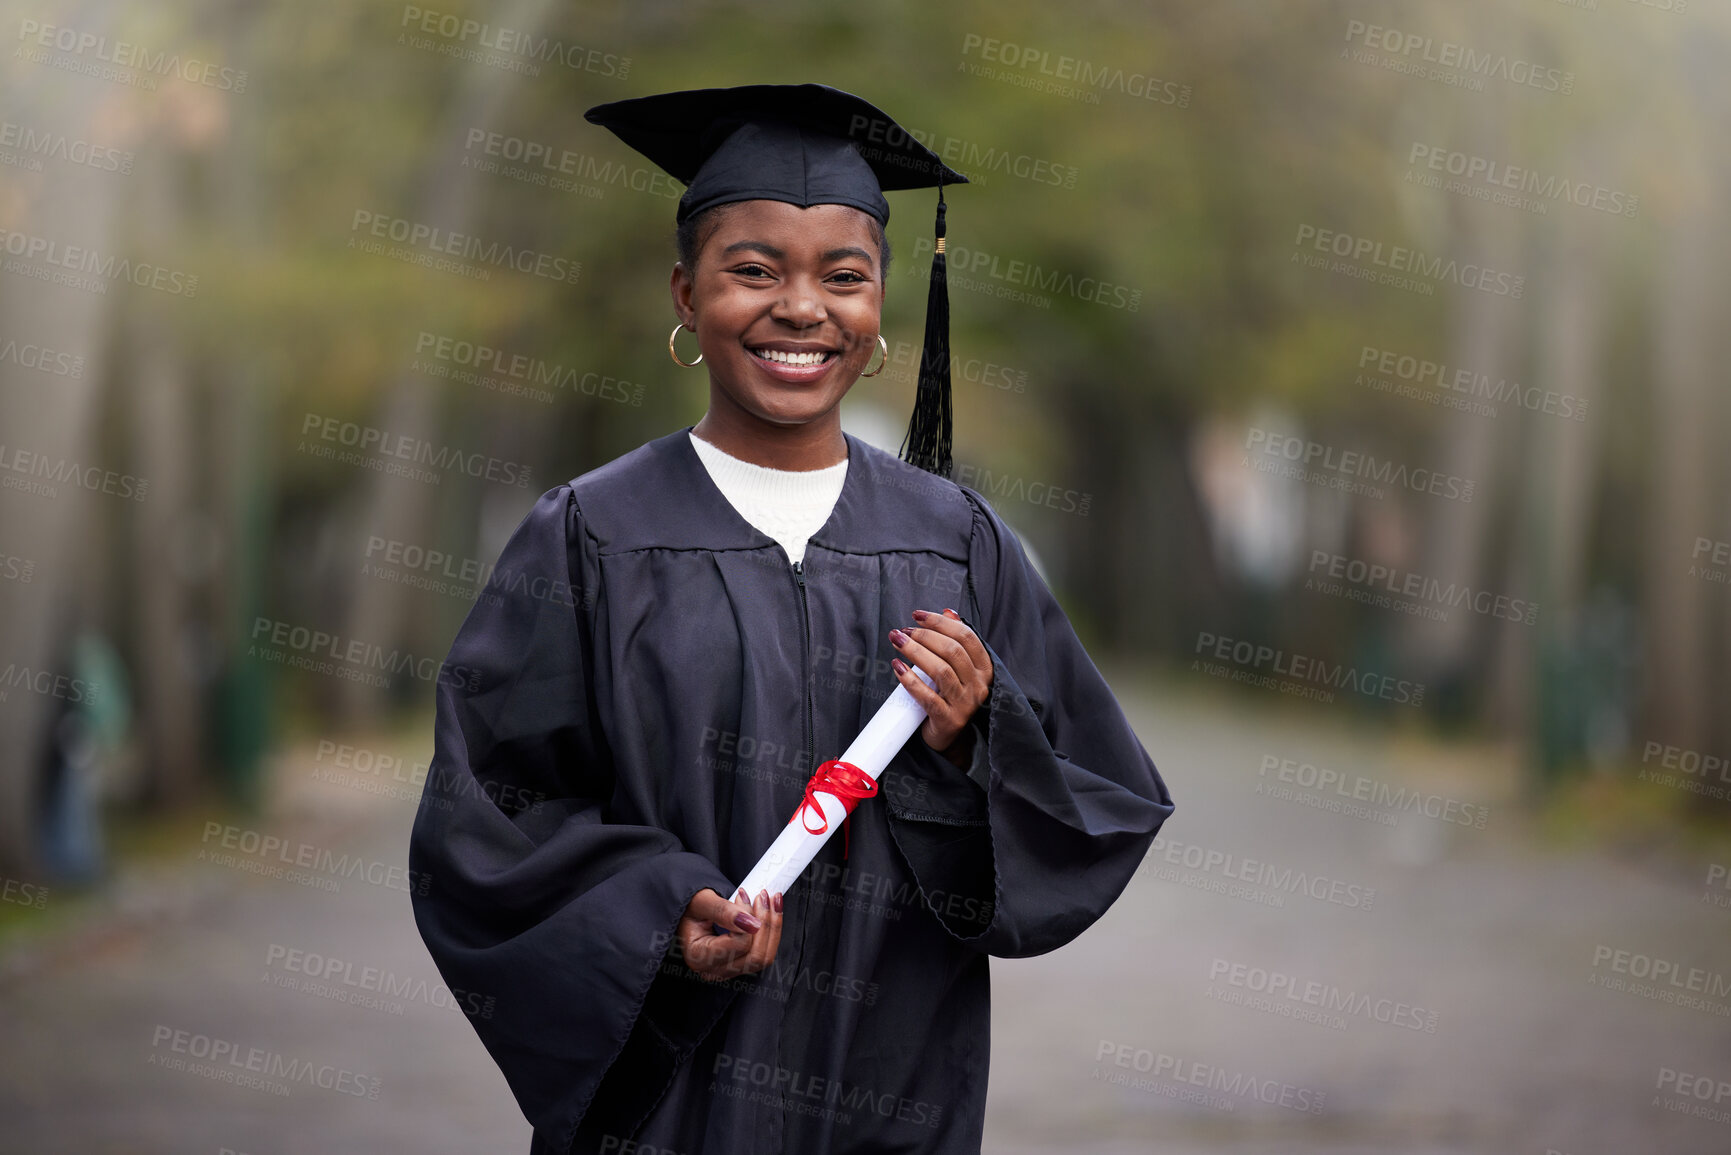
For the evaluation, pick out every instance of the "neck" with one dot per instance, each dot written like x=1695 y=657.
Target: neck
x=816 y=444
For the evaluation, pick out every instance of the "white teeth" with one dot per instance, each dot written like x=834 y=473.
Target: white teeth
x=781 y=358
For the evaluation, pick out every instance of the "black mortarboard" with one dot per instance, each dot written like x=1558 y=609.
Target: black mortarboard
x=805 y=144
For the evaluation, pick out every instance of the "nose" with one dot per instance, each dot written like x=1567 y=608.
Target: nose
x=800 y=304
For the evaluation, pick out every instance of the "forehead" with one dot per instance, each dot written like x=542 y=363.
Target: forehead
x=794 y=228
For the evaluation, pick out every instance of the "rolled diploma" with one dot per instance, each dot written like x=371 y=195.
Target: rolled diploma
x=795 y=847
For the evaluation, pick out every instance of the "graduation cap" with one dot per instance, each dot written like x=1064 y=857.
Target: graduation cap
x=805 y=144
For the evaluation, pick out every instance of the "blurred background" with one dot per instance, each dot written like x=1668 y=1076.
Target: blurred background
x=1355 y=373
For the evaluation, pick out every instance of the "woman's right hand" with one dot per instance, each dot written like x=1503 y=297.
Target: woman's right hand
x=746 y=949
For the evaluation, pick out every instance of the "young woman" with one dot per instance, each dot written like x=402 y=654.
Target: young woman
x=685 y=633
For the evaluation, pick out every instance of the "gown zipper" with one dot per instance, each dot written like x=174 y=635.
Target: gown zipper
x=805 y=659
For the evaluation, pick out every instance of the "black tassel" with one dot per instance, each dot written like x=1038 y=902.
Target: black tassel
x=927 y=444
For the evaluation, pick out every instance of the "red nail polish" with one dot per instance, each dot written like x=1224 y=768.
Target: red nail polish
x=777 y=901
x=747 y=922
x=899 y=666
x=898 y=639
x=920 y=615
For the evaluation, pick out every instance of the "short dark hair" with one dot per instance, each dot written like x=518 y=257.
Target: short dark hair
x=695 y=230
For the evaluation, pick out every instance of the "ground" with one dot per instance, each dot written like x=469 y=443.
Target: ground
x=1248 y=993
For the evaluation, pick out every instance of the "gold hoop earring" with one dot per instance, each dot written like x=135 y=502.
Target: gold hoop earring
x=671 y=352
x=885 y=346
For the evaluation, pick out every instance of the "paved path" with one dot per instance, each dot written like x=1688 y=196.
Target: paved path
x=1154 y=1032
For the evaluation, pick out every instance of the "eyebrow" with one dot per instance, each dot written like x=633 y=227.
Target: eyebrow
x=776 y=254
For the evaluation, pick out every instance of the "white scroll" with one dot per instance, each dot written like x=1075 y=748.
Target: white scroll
x=889 y=728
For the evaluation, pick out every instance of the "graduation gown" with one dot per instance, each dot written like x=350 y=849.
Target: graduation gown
x=630 y=713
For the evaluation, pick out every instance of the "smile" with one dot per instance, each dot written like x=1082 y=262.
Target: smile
x=779 y=357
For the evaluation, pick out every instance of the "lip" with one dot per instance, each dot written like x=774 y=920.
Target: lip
x=796 y=374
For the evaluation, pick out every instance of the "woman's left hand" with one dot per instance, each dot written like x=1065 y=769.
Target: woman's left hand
x=952 y=655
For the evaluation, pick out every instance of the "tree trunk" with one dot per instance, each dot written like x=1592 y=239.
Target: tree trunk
x=53 y=416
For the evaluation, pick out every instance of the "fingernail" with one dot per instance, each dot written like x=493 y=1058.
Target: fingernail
x=898 y=639
x=920 y=615
x=777 y=901
x=899 y=666
x=747 y=922
x=948 y=610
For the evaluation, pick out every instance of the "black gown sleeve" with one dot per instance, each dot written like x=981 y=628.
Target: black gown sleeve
x=538 y=908
x=1030 y=846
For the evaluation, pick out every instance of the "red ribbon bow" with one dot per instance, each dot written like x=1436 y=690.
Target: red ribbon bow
x=843 y=781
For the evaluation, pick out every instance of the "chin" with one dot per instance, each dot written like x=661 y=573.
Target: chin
x=789 y=415
x=790 y=407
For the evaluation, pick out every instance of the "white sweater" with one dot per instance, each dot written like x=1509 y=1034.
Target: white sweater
x=787 y=504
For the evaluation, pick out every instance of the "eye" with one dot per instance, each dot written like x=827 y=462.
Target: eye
x=849 y=277
x=752 y=270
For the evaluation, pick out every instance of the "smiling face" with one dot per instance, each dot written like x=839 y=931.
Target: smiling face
x=786 y=303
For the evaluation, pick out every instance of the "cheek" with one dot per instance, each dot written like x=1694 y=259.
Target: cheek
x=720 y=313
x=862 y=320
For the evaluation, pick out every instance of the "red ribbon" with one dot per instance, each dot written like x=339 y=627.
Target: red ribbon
x=844 y=782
